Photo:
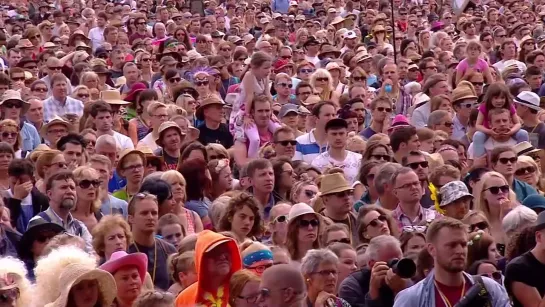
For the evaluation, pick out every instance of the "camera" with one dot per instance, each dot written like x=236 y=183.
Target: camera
x=404 y=267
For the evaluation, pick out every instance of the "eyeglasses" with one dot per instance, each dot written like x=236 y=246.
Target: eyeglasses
x=55 y=68
x=40 y=89
x=9 y=134
x=31 y=67
x=286 y=143
x=288 y=85
x=447 y=124
x=175 y=80
x=379 y=220
x=322 y=79
x=415 y=165
x=477 y=83
x=134 y=168
x=260 y=268
x=494 y=275
x=10 y=105
x=17 y=78
x=252 y=298
x=468 y=105
x=381 y=157
x=382 y=109
x=496 y=190
x=325 y=273
x=358 y=79
x=35 y=37
x=478 y=226
x=421 y=229
x=306 y=223
x=86 y=183
x=525 y=170
x=200 y=83
x=280 y=219
x=343 y=240
x=59 y=164
x=306 y=71
x=83 y=95
x=508 y=160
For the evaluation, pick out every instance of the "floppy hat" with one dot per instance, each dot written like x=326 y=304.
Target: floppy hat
x=100 y=69
x=528 y=99
x=332 y=66
x=135 y=89
x=525 y=148
x=35 y=227
x=281 y=63
x=125 y=153
x=14 y=95
x=24 y=44
x=286 y=109
x=334 y=183
x=76 y=34
x=55 y=121
x=300 y=209
x=75 y=273
x=166 y=60
x=25 y=60
x=464 y=90
x=453 y=191
x=350 y=35
x=121 y=259
x=113 y=97
x=327 y=48
x=50 y=45
x=165 y=126
x=534 y=201
x=199 y=113
x=337 y=20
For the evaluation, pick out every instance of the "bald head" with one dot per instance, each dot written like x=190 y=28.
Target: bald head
x=278 y=210
x=283 y=276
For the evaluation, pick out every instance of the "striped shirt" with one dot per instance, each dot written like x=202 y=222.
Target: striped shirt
x=307 y=149
x=53 y=107
x=425 y=215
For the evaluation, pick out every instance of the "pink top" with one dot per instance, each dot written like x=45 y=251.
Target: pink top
x=480 y=66
x=484 y=111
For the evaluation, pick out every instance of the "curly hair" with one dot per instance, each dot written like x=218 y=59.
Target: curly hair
x=237 y=203
x=106 y=224
x=520 y=242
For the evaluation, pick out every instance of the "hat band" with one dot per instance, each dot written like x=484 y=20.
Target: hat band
x=525 y=102
x=256 y=257
x=531 y=148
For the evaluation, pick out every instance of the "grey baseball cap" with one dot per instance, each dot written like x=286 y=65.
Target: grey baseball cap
x=453 y=191
x=288 y=108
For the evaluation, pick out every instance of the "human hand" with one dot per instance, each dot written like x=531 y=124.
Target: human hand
x=248 y=121
x=73 y=165
x=323 y=298
x=394 y=281
x=378 y=275
x=22 y=189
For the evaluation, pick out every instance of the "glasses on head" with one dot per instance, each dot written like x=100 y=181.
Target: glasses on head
x=421 y=229
x=496 y=190
x=86 y=183
x=507 y=160
x=525 y=170
x=305 y=223
x=143 y=195
x=343 y=240
x=382 y=109
x=381 y=157
x=478 y=226
x=415 y=165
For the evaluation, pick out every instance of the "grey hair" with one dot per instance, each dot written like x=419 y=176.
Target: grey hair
x=217 y=208
x=314 y=258
x=107 y=140
x=378 y=243
x=436 y=117
x=384 y=176
x=517 y=218
x=400 y=171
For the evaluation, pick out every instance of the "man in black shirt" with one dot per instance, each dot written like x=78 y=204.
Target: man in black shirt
x=213 y=130
x=169 y=138
x=524 y=275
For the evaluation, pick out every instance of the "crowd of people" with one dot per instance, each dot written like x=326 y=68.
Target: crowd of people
x=272 y=153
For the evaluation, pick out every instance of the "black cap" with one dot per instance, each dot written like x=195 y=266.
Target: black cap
x=540 y=223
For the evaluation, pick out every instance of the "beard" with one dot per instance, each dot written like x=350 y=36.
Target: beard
x=68 y=204
x=453 y=266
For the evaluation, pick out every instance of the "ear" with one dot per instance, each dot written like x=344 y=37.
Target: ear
x=432 y=250
x=48 y=192
x=130 y=219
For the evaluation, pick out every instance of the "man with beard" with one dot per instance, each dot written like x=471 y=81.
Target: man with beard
x=446 y=285
x=218 y=256
x=102 y=115
x=169 y=138
x=61 y=191
x=143 y=217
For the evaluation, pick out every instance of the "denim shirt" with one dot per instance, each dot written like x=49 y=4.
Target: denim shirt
x=423 y=293
x=522 y=190
x=30 y=136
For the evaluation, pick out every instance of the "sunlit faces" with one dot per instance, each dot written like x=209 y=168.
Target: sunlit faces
x=172 y=233
x=506 y=163
x=408 y=188
x=308 y=228
x=115 y=240
x=375 y=224
x=495 y=191
x=449 y=249
x=325 y=278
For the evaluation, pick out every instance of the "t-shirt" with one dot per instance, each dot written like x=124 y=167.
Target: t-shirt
x=480 y=66
x=367 y=133
x=221 y=135
x=452 y=294
x=484 y=111
x=527 y=270
x=489 y=145
x=157 y=263
x=171 y=162
x=539 y=132
x=123 y=141
x=350 y=165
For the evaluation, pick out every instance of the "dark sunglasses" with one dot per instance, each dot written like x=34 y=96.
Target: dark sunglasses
x=415 y=165
x=525 y=170
x=322 y=79
x=83 y=95
x=85 y=184
x=343 y=240
x=288 y=85
x=18 y=79
x=382 y=157
x=40 y=89
x=199 y=83
x=448 y=124
x=214 y=157
x=382 y=109
x=310 y=193
x=374 y=223
x=505 y=160
x=175 y=80
x=55 y=68
x=306 y=223
x=9 y=134
x=496 y=190
x=10 y=105
x=286 y=143
x=478 y=226
x=31 y=67
x=494 y=275
x=344 y=193
x=358 y=79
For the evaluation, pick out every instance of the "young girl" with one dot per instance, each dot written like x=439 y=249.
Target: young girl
x=473 y=62
x=497 y=97
x=255 y=81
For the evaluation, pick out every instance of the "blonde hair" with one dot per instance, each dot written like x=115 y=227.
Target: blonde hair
x=480 y=203
x=8 y=123
x=84 y=171
x=106 y=224
x=10 y=265
x=238 y=282
x=44 y=160
x=322 y=73
x=532 y=162
x=181 y=263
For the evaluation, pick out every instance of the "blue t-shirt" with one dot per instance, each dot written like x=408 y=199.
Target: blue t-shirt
x=116 y=183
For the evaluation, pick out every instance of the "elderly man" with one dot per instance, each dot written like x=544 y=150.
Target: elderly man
x=282 y=285
x=60 y=104
x=35 y=113
x=441 y=120
x=382 y=182
x=54 y=130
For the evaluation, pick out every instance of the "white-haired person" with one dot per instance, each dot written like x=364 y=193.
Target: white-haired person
x=527 y=170
x=15 y=288
x=322 y=82
x=320 y=269
x=517 y=219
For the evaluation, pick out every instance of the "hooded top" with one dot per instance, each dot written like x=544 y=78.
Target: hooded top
x=195 y=294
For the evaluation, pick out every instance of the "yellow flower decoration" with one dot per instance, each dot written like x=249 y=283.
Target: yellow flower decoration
x=433 y=192
x=212 y=301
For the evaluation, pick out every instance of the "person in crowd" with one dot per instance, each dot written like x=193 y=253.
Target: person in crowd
x=535 y=202
x=222 y=177
x=72 y=147
x=170 y=228
x=169 y=139
x=417 y=162
x=304 y=192
x=383 y=184
x=413 y=239
x=261 y=177
x=103 y=119
x=347 y=260
x=284 y=178
x=242 y=218
x=374 y=221
x=278 y=277
x=368 y=172
x=244 y=289
x=109 y=204
x=528 y=107
x=15 y=287
x=53 y=130
x=404 y=140
x=278 y=224
x=311 y=144
x=486 y=268
x=197 y=188
x=481 y=246
x=87 y=208
x=447 y=239
x=158 y=114
x=213 y=130
x=454 y=200
x=256 y=257
x=335 y=233
x=518 y=218
x=182 y=270
x=503 y=161
x=528 y=171
x=13 y=108
x=112 y=234
x=129 y=272
x=303 y=230
x=131 y=167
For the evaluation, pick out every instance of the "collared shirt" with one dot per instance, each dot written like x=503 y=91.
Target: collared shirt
x=47 y=80
x=404 y=103
x=53 y=107
x=522 y=190
x=423 y=215
x=30 y=136
x=72 y=226
x=307 y=149
x=459 y=130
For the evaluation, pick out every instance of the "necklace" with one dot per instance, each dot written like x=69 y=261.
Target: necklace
x=444 y=297
x=154 y=258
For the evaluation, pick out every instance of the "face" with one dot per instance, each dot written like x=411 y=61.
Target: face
x=218 y=261
x=308 y=228
x=382 y=111
x=146 y=215
x=408 y=188
x=108 y=151
x=173 y=234
x=128 y=283
x=87 y=188
x=158 y=117
x=450 y=252
x=249 y=294
x=57 y=164
x=73 y=153
x=415 y=244
x=133 y=168
x=9 y=135
x=41 y=241
x=493 y=254
x=445 y=124
x=458 y=209
x=527 y=173
x=115 y=240
x=495 y=191
x=376 y=224
x=60 y=89
x=263 y=180
x=325 y=279
x=63 y=194
x=419 y=165
x=327 y=113
x=307 y=193
x=506 y=163
x=84 y=293
x=347 y=264
x=285 y=144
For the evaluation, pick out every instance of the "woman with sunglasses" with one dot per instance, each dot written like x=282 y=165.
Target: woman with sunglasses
x=244 y=289
x=81 y=92
x=335 y=233
x=486 y=268
x=144 y=64
x=322 y=82
x=87 y=209
x=495 y=199
x=304 y=192
x=9 y=133
x=284 y=178
x=171 y=78
x=376 y=151
x=48 y=163
x=320 y=269
x=222 y=177
x=503 y=160
x=528 y=171
x=303 y=231
x=201 y=79
x=189 y=219
x=189 y=104
x=39 y=89
x=242 y=218
x=367 y=173
x=374 y=221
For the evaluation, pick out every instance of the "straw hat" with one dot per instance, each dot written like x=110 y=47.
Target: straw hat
x=334 y=183
x=464 y=90
x=121 y=259
x=326 y=49
x=14 y=95
x=76 y=34
x=124 y=154
x=528 y=99
x=55 y=121
x=199 y=113
x=113 y=97
x=75 y=273
x=165 y=126
x=337 y=20
x=525 y=148
x=300 y=209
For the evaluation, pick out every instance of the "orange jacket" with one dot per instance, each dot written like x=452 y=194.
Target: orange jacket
x=195 y=295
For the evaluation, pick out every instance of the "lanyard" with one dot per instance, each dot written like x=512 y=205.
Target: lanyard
x=444 y=297
x=154 y=258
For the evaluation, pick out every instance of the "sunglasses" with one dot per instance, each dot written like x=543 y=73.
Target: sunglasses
x=241 y=59
x=288 y=85
x=31 y=67
x=281 y=219
x=448 y=124
x=40 y=89
x=343 y=240
x=146 y=60
x=382 y=109
x=344 y=193
x=86 y=183
x=83 y=95
x=322 y=79
x=494 y=275
x=374 y=223
x=306 y=223
x=496 y=190
x=59 y=164
x=286 y=143
x=508 y=160
x=200 y=83
x=381 y=157
x=478 y=226
x=225 y=49
x=307 y=71
x=175 y=80
x=10 y=105
x=359 y=79
x=18 y=79
x=415 y=165
x=525 y=170
x=55 y=68
x=9 y=134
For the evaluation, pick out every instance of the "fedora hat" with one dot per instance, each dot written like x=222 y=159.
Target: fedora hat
x=337 y=20
x=525 y=148
x=300 y=209
x=165 y=126
x=124 y=154
x=166 y=60
x=75 y=273
x=77 y=33
x=24 y=44
x=528 y=99
x=55 y=121
x=14 y=96
x=83 y=45
x=464 y=90
x=113 y=97
x=100 y=69
x=35 y=227
x=326 y=49
x=334 y=183
x=199 y=113
x=121 y=259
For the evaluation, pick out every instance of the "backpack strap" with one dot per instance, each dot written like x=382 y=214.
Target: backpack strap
x=478 y=279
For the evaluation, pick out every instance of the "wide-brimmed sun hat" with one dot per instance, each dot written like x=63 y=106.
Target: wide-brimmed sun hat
x=199 y=113
x=334 y=183
x=113 y=97
x=15 y=96
x=165 y=126
x=55 y=121
x=525 y=148
x=124 y=154
x=36 y=227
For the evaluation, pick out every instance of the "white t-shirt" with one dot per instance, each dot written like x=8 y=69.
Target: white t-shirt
x=149 y=142
x=314 y=60
x=96 y=35
x=350 y=165
x=123 y=141
x=490 y=144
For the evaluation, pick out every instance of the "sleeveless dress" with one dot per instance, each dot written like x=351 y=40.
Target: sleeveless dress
x=236 y=120
x=141 y=128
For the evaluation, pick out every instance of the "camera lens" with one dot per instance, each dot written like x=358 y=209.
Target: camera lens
x=404 y=268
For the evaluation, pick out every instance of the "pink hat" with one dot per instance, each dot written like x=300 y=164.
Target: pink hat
x=399 y=121
x=135 y=89
x=121 y=259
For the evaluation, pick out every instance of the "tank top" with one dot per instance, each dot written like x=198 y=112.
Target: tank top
x=141 y=129
x=190 y=222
